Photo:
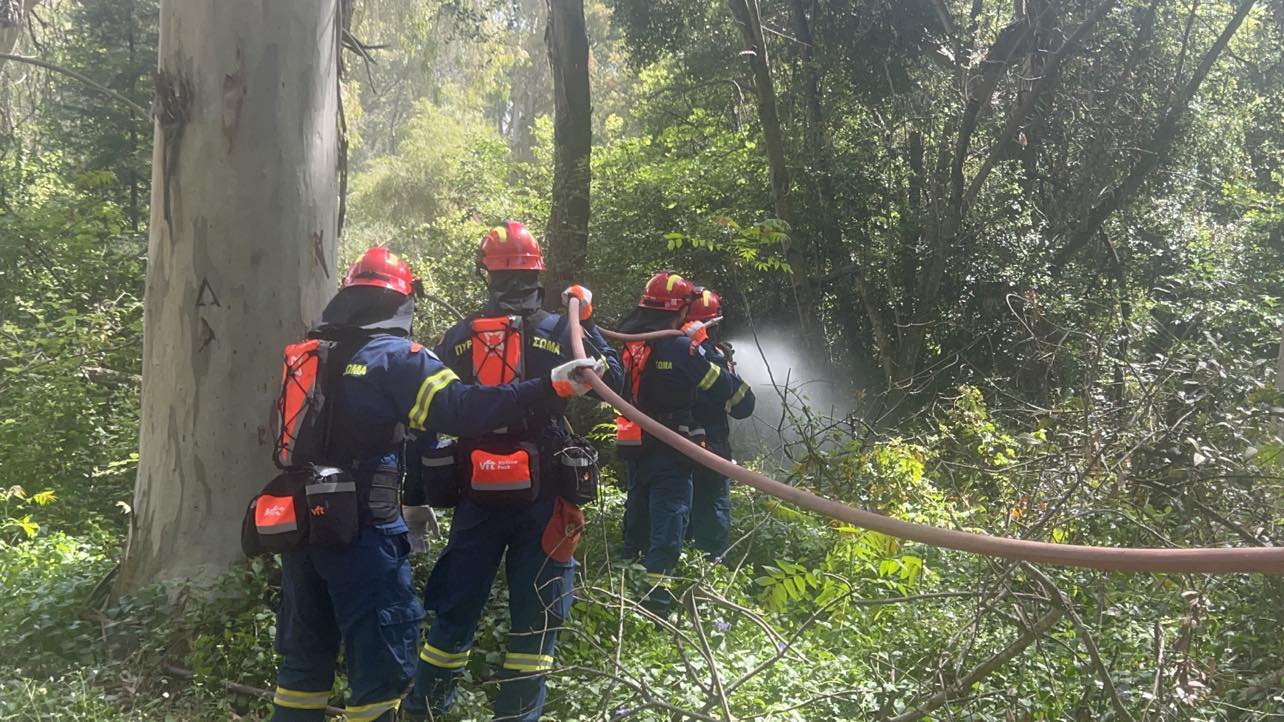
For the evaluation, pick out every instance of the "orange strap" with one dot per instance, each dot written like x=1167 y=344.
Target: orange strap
x=1177 y=561
x=497 y=350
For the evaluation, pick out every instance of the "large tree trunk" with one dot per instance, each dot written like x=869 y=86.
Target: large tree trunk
x=568 y=54
x=746 y=14
x=241 y=259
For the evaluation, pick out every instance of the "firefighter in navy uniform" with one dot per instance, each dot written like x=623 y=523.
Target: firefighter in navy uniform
x=361 y=596
x=710 y=529
x=663 y=378
x=535 y=529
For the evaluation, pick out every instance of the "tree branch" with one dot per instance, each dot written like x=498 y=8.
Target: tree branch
x=1060 y=599
x=1156 y=152
x=1045 y=83
x=140 y=110
x=981 y=671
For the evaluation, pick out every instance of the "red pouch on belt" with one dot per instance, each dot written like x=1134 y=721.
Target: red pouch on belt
x=628 y=439
x=504 y=474
x=562 y=533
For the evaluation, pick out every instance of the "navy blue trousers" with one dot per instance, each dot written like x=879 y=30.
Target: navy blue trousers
x=540 y=592
x=656 y=513
x=710 y=512
x=360 y=597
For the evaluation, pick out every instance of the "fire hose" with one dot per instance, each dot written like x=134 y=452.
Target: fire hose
x=1207 y=560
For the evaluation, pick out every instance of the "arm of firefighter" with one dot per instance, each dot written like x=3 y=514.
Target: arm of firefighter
x=708 y=377
x=740 y=404
x=435 y=399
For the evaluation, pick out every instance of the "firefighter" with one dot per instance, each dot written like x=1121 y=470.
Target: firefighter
x=710 y=529
x=534 y=531
x=663 y=377
x=360 y=596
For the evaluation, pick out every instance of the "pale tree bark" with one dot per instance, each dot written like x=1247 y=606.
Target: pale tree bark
x=568 y=54
x=241 y=259
x=13 y=18
x=747 y=18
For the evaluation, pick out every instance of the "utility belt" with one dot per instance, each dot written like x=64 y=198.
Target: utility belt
x=319 y=507
x=503 y=470
x=632 y=443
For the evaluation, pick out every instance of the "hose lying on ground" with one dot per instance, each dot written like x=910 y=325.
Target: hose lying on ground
x=1198 y=560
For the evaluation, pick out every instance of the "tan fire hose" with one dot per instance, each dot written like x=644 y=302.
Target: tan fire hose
x=649 y=335
x=1181 y=561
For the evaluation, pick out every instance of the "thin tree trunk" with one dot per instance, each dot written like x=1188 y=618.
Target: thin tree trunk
x=1156 y=152
x=241 y=259
x=568 y=54
x=13 y=16
x=1279 y=382
x=746 y=15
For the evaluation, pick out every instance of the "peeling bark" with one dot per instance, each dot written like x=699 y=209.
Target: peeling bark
x=244 y=211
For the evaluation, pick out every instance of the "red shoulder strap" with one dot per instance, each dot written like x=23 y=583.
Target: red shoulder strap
x=635 y=357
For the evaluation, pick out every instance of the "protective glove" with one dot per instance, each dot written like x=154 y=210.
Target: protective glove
x=586 y=300
x=422 y=522
x=568 y=379
x=698 y=332
x=729 y=354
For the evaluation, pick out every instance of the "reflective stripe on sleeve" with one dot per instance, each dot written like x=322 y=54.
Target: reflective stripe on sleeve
x=370 y=712
x=441 y=658
x=710 y=377
x=294 y=699
x=519 y=662
x=738 y=396
x=427 y=391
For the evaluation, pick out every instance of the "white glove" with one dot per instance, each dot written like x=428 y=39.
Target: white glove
x=568 y=379
x=586 y=300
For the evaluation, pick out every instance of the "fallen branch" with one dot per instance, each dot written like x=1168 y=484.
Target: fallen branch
x=981 y=671
x=715 y=680
x=237 y=687
x=1063 y=601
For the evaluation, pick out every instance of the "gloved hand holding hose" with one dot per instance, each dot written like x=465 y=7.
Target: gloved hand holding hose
x=571 y=378
x=585 y=298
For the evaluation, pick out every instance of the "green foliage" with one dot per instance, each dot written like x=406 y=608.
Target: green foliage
x=1125 y=398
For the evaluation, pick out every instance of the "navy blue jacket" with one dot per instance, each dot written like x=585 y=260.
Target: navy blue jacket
x=672 y=378
x=711 y=413
x=392 y=384
x=548 y=344
x=392 y=380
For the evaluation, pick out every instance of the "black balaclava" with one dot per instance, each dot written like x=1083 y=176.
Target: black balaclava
x=515 y=292
x=366 y=311
x=642 y=319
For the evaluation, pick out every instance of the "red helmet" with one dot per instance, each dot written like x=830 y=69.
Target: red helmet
x=667 y=291
x=510 y=247
x=706 y=305
x=381 y=268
